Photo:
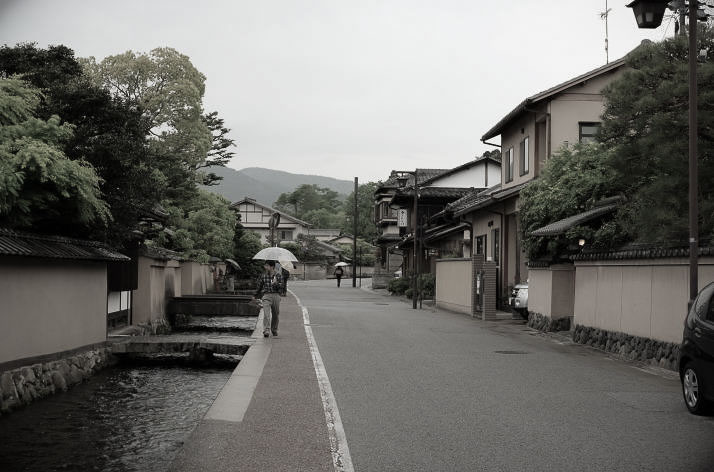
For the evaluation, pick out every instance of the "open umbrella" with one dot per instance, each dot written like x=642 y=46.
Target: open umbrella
x=275 y=254
x=341 y=264
x=233 y=263
x=287 y=265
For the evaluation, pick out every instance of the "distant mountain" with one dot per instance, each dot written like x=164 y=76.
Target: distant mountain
x=266 y=185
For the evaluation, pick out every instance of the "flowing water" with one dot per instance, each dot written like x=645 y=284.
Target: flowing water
x=125 y=418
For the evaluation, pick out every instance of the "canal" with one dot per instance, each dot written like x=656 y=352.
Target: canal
x=131 y=417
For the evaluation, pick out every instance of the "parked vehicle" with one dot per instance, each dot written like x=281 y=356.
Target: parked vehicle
x=696 y=354
x=518 y=301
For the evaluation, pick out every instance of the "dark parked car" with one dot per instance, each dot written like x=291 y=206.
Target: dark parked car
x=696 y=354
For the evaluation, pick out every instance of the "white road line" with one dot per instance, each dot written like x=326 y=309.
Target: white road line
x=338 y=441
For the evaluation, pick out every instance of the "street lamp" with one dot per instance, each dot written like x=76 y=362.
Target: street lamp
x=402 y=181
x=648 y=14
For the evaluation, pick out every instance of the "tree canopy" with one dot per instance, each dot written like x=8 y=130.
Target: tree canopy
x=40 y=186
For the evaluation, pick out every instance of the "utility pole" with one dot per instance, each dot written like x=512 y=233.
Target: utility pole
x=354 y=240
x=416 y=243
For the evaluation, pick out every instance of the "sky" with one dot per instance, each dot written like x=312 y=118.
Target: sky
x=353 y=88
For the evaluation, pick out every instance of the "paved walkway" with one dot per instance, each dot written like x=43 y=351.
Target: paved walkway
x=269 y=416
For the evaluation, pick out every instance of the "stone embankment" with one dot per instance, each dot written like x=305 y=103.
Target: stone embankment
x=633 y=348
x=21 y=386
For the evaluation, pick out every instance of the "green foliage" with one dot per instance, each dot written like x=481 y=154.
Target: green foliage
x=40 y=187
x=645 y=124
x=245 y=245
x=643 y=155
x=204 y=228
x=573 y=180
x=307 y=199
x=365 y=251
x=169 y=90
x=108 y=133
x=366 y=229
x=427 y=285
x=219 y=154
x=398 y=286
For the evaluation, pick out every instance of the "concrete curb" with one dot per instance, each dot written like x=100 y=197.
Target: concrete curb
x=234 y=398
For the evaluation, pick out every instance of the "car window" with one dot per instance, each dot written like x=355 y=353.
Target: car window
x=703 y=308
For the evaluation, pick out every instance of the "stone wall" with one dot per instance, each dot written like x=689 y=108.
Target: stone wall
x=633 y=348
x=23 y=385
x=545 y=323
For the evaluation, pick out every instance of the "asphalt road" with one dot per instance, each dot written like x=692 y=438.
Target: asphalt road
x=429 y=390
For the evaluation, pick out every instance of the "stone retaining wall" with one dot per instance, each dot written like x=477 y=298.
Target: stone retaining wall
x=545 y=323
x=634 y=348
x=21 y=386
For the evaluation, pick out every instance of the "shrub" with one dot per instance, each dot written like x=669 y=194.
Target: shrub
x=398 y=286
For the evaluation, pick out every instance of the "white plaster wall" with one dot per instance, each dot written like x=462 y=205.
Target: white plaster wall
x=646 y=298
x=473 y=177
x=49 y=306
x=540 y=288
x=453 y=284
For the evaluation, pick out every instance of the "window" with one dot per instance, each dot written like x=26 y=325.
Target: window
x=481 y=244
x=496 y=236
x=524 y=163
x=703 y=306
x=588 y=131
x=508 y=159
x=286 y=235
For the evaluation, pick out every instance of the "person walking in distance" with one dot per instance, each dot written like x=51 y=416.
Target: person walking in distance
x=338 y=274
x=269 y=285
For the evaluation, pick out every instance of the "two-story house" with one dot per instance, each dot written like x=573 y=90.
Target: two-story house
x=530 y=134
x=255 y=217
x=438 y=237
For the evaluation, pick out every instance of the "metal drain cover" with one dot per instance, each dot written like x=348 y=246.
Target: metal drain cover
x=511 y=352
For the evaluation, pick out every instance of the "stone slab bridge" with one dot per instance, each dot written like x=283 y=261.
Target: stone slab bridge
x=197 y=346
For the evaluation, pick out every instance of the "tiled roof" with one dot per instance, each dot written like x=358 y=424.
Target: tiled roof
x=641 y=252
x=161 y=253
x=561 y=226
x=444 y=230
x=435 y=192
x=385 y=238
x=474 y=201
x=16 y=243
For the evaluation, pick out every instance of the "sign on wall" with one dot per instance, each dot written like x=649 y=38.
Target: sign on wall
x=402 y=218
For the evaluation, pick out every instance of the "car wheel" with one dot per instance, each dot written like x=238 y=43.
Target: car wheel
x=692 y=390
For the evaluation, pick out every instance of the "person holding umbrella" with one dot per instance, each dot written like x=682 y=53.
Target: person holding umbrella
x=269 y=285
x=339 y=272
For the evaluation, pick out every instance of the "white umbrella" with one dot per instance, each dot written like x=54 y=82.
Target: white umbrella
x=287 y=265
x=275 y=254
x=341 y=264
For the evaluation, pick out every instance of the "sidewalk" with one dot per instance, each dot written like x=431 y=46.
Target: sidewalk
x=269 y=415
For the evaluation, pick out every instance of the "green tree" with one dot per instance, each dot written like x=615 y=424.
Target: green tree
x=41 y=189
x=366 y=229
x=245 y=245
x=365 y=252
x=220 y=153
x=205 y=228
x=108 y=133
x=572 y=182
x=645 y=124
x=169 y=90
x=307 y=198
